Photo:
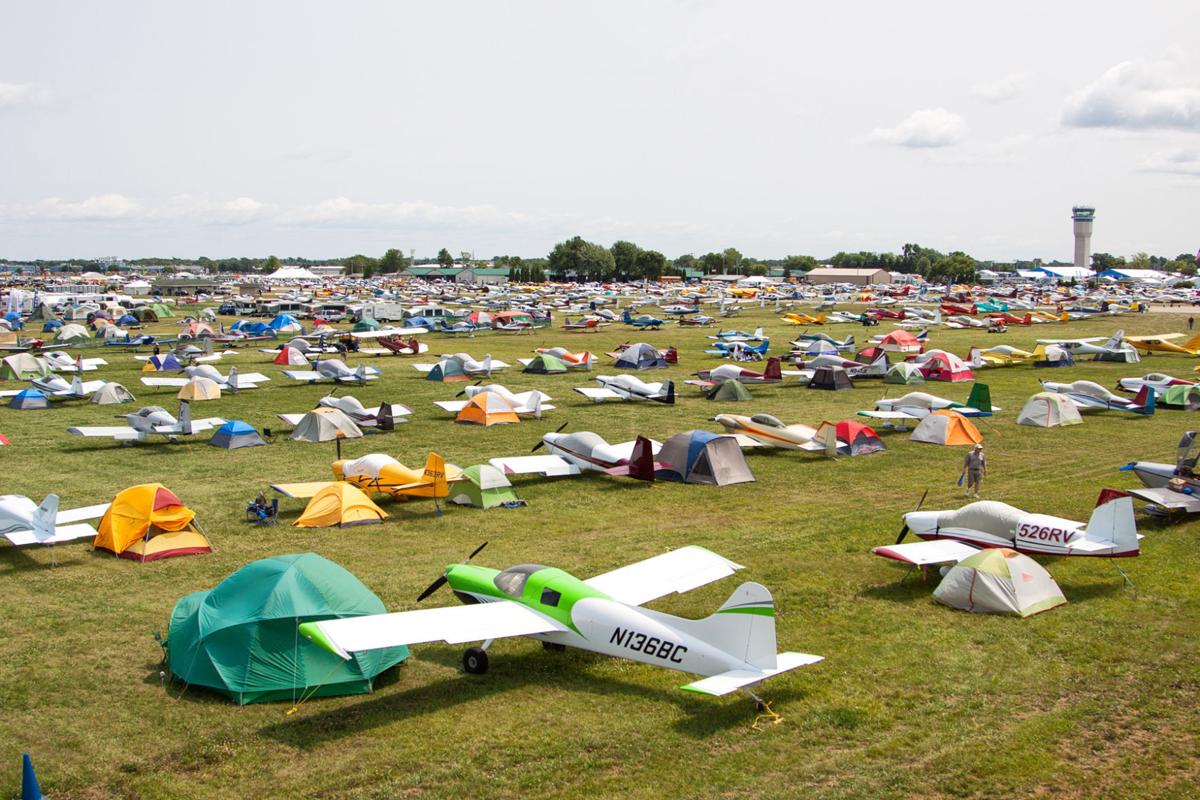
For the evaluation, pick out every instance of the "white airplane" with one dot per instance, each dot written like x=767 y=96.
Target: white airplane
x=960 y=321
x=59 y=389
x=572 y=452
x=232 y=382
x=855 y=369
x=384 y=416
x=470 y=365
x=1158 y=381
x=333 y=369
x=1112 y=346
x=629 y=387
x=1091 y=395
x=733 y=648
x=1111 y=532
x=22 y=522
x=525 y=404
x=61 y=362
x=151 y=421
x=915 y=406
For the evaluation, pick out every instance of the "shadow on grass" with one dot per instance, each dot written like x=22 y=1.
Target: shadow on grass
x=19 y=559
x=702 y=716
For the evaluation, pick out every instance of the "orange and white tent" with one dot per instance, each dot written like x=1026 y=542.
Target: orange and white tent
x=487 y=408
x=148 y=522
x=946 y=427
x=341 y=504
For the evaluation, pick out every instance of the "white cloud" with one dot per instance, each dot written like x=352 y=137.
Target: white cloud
x=104 y=207
x=1141 y=94
x=929 y=127
x=1001 y=89
x=344 y=212
x=13 y=95
x=1174 y=162
x=121 y=208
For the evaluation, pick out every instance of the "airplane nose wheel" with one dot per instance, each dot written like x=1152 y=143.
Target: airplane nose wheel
x=475 y=660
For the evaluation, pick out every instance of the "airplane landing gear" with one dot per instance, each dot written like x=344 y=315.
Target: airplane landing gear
x=554 y=647
x=475 y=660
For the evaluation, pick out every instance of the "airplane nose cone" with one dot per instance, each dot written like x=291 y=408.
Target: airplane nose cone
x=920 y=522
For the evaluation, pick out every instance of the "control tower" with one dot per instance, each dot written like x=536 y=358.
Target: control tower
x=1083 y=217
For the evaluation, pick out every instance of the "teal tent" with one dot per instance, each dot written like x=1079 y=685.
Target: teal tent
x=365 y=324
x=241 y=638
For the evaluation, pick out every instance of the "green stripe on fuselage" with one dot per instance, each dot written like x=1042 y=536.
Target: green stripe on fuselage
x=762 y=611
x=570 y=590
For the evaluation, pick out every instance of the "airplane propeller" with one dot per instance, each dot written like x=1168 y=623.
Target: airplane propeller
x=464 y=391
x=542 y=442
x=441 y=580
x=904 y=528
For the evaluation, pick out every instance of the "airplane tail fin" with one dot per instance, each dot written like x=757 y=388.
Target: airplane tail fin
x=535 y=403
x=758 y=332
x=1192 y=344
x=821 y=318
x=773 y=371
x=1028 y=319
x=233 y=376
x=77 y=383
x=641 y=464
x=627 y=317
x=974 y=359
x=668 y=397
x=435 y=474
x=1146 y=400
x=185 y=416
x=1112 y=522
x=44 y=518
x=1115 y=339
x=384 y=420
x=744 y=626
x=487 y=364
x=360 y=374
x=980 y=397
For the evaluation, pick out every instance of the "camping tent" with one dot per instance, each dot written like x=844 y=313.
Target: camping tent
x=366 y=324
x=72 y=332
x=1048 y=410
x=545 y=364
x=341 y=504
x=904 y=373
x=831 y=378
x=162 y=310
x=29 y=400
x=946 y=427
x=900 y=342
x=111 y=394
x=448 y=370
x=144 y=314
x=24 y=367
x=1053 y=356
x=235 y=434
x=729 y=391
x=285 y=323
x=161 y=363
x=484 y=486
x=943 y=366
x=640 y=356
x=817 y=347
x=854 y=438
x=149 y=522
x=200 y=388
x=487 y=408
x=1180 y=396
x=290 y=357
x=325 y=425
x=999 y=581
x=703 y=457
x=240 y=638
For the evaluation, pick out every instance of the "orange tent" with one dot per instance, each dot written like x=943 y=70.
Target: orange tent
x=149 y=522
x=947 y=427
x=487 y=408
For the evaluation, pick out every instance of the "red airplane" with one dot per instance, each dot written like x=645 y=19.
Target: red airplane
x=953 y=309
x=1009 y=319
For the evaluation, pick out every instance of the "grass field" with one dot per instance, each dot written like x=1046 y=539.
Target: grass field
x=1097 y=698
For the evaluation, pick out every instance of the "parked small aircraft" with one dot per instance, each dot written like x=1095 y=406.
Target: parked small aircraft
x=470 y=366
x=1171 y=488
x=800 y=318
x=711 y=377
x=572 y=452
x=642 y=321
x=629 y=387
x=915 y=406
x=377 y=473
x=23 y=523
x=1158 y=381
x=764 y=430
x=232 y=382
x=734 y=648
x=1086 y=395
x=150 y=421
x=60 y=361
x=384 y=416
x=1166 y=344
x=1112 y=346
x=335 y=370
x=525 y=404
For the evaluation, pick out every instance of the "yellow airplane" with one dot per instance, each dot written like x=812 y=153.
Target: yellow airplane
x=1164 y=344
x=1005 y=355
x=797 y=318
x=1046 y=316
x=381 y=474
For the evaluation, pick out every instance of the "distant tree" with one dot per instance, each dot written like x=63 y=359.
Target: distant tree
x=957 y=266
x=1103 y=261
x=444 y=259
x=1188 y=257
x=582 y=258
x=368 y=271
x=651 y=265
x=271 y=264
x=731 y=259
x=713 y=263
x=625 y=256
x=757 y=269
x=393 y=261
x=685 y=262
x=359 y=264
x=1140 y=261
x=1181 y=266
x=800 y=263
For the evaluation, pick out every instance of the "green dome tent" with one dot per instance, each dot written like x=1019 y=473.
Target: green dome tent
x=545 y=364
x=484 y=486
x=240 y=637
x=365 y=324
x=729 y=391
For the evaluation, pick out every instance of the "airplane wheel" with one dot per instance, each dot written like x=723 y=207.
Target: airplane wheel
x=760 y=706
x=475 y=660
x=554 y=647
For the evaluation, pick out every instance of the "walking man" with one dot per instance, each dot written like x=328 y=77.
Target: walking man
x=975 y=467
x=1191 y=322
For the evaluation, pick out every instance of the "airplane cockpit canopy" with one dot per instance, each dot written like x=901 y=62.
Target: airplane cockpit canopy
x=512 y=580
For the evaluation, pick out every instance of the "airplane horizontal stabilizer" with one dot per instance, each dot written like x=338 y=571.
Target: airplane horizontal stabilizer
x=726 y=682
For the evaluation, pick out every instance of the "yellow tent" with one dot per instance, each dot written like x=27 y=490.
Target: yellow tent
x=340 y=504
x=200 y=389
x=149 y=522
x=487 y=408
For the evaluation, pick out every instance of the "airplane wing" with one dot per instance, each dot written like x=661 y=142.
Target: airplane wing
x=453 y=625
x=452 y=406
x=201 y=425
x=165 y=381
x=86 y=512
x=675 y=572
x=747 y=441
x=62 y=533
x=550 y=466
x=120 y=433
x=597 y=395
x=938 y=551
x=424 y=367
x=625 y=449
x=93 y=386
x=726 y=682
x=1171 y=501
x=1164 y=337
x=291 y=419
x=1072 y=341
x=355 y=378
x=888 y=415
x=252 y=377
x=299 y=491
x=303 y=374
x=388 y=332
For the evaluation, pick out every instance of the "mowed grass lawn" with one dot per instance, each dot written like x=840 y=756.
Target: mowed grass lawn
x=1098 y=698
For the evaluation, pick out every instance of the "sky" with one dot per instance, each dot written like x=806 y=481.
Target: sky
x=318 y=129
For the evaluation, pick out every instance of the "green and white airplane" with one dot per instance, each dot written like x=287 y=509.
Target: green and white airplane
x=733 y=648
